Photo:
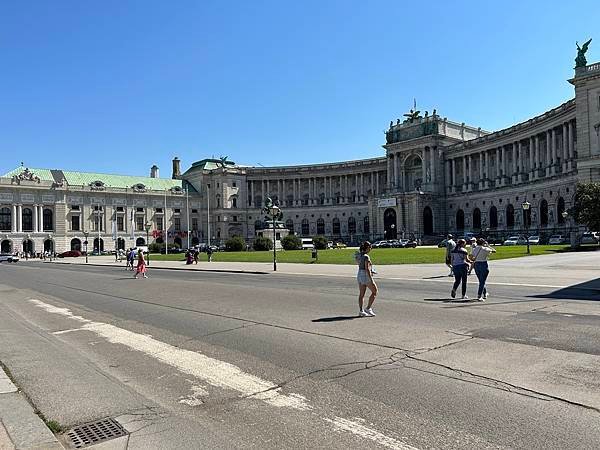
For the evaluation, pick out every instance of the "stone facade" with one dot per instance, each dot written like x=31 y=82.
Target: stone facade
x=437 y=176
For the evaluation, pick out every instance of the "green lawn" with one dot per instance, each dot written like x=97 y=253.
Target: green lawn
x=346 y=256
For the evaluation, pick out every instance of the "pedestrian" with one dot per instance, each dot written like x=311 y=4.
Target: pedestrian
x=480 y=257
x=196 y=255
x=472 y=246
x=141 y=265
x=209 y=253
x=460 y=267
x=189 y=257
x=365 y=280
x=450 y=246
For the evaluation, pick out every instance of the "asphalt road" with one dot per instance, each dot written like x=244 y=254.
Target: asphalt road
x=217 y=360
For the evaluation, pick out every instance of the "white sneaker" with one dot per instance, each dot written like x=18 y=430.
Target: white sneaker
x=362 y=313
x=145 y=276
x=481 y=299
x=487 y=294
x=369 y=312
x=465 y=297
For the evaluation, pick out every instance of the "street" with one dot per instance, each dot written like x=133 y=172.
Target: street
x=231 y=360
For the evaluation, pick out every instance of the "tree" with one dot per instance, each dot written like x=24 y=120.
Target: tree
x=235 y=244
x=585 y=211
x=320 y=242
x=262 y=243
x=291 y=242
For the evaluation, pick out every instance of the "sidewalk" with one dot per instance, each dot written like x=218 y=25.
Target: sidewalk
x=550 y=271
x=20 y=427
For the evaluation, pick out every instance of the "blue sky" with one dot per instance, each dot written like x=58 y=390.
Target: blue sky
x=116 y=86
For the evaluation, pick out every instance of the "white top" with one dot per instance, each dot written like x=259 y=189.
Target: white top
x=482 y=253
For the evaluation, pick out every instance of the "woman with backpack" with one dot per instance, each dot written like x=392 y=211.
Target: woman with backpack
x=365 y=280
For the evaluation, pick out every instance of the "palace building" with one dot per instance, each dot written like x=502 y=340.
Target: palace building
x=436 y=176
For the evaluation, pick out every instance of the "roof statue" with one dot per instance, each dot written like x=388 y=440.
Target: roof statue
x=581 y=61
x=25 y=175
x=412 y=116
x=223 y=160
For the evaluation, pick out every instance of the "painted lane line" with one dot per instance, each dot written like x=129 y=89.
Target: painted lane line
x=365 y=432
x=218 y=374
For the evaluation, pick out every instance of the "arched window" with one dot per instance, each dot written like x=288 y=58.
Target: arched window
x=336 y=226
x=6 y=246
x=99 y=247
x=366 y=225
x=544 y=213
x=258 y=225
x=234 y=202
x=48 y=245
x=560 y=209
x=510 y=216
x=320 y=226
x=121 y=243
x=27 y=219
x=5 y=219
x=428 y=221
x=305 y=227
x=289 y=224
x=460 y=220
x=140 y=242
x=321 y=199
x=48 y=221
x=477 y=219
x=351 y=225
x=75 y=245
x=493 y=217
x=218 y=201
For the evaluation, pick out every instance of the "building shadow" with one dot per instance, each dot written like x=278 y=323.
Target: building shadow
x=335 y=319
x=588 y=290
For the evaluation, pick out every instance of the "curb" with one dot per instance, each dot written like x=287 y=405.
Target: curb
x=251 y=272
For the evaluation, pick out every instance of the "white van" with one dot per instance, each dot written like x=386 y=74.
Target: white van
x=307 y=244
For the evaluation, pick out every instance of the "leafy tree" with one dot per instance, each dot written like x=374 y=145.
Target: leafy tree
x=291 y=242
x=235 y=244
x=586 y=209
x=320 y=242
x=262 y=243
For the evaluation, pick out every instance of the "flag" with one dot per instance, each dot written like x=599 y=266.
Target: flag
x=114 y=229
x=132 y=225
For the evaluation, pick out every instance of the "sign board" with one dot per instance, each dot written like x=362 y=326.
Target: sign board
x=386 y=202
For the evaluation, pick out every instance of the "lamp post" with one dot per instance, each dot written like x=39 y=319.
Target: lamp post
x=275 y=212
x=85 y=235
x=526 y=205
x=148 y=226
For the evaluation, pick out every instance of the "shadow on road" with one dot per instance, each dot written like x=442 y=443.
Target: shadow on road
x=437 y=299
x=335 y=319
x=588 y=290
x=436 y=277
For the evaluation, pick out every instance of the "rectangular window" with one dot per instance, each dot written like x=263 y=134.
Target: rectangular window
x=234 y=218
x=195 y=224
x=158 y=210
x=177 y=222
x=234 y=184
x=139 y=222
x=74 y=207
x=177 y=211
x=98 y=208
x=120 y=209
x=75 y=223
x=120 y=223
x=194 y=211
x=98 y=222
x=159 y=223
x=139 y=209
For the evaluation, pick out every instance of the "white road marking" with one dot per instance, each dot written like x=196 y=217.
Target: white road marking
x=218 y=374
x=354 y=427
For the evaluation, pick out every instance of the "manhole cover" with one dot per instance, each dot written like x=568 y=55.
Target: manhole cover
x=95 y=432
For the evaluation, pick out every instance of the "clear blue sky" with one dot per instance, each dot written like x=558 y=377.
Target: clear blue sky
x=117 y=86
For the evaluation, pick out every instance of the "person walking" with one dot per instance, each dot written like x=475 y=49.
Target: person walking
x=196 y=255
x=209 y=253
x=472 y=246
x=141 y=265
x=460 y=267
x=480 y=256
x=365 y=280
x=450 y=246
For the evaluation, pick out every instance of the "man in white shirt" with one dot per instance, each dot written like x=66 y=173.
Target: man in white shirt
x=450 y=245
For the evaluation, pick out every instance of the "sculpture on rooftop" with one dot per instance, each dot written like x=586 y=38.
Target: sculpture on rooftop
x=581 y=61
x=25 y=175
x=412 y=116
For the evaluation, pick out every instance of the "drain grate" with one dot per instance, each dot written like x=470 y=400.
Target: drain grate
x=95 y=432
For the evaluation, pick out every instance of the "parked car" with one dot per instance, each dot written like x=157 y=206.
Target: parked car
x=70 y=254
x=534 y=240
x=556 y=239
x=7 y=257
x=515 y=240
x=339 y=244
x=590 y=238
x=443 y=243
x=409 y=243
x=395 y=243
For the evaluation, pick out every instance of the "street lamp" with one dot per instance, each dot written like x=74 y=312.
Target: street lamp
x=526 y=205
x=275 y=212
x=148 y=226
x=85 y=234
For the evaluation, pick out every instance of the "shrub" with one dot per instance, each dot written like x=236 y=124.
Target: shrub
x=291 y=242
x=156 y=248
x=235 y=244
x=320 y=242
x=262 y=243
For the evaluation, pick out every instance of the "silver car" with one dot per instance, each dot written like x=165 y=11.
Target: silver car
x=7 y=257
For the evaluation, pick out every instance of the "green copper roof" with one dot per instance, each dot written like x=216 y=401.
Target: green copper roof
x=211 y=164
x=115 y=181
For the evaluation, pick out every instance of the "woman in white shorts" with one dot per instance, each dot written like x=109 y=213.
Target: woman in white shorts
x=365 y=280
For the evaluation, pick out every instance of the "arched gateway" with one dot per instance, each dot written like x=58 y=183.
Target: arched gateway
x=389 y=224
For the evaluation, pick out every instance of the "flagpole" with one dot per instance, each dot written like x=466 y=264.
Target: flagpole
x=208 y=212
x=187 y=207
x=165 y=226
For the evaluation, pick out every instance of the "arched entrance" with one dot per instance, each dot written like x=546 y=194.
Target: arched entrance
x=75 y=245
x=428 y=221
x=560 y=209
x=6 y=246
x=510 y=216
x=139 y=242
x=477 y=219
x=390 y=230
x=48 y=245
x=120 y=244
x=544 y=213
x=493 y=217
x=460 y=220
x=98 y=247
x=28 y=246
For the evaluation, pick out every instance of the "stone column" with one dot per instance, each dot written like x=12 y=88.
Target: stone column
x=252 y=193
x=453 y=166
x=504 y=166
x=432 y=153
x=481 y=177
x=531 y=157
x=513 y=176
x=571 y=144
x=565 y=148
x=497 y=161
x=41 y=218
x=295 y=192
x=521 y=161
x=537 y=157
x=554 y=155
x=310 y=186
x=377 y=183
x=390 y=169
x=14 y=219
x=19 y=218
x=487 y=169
x=372 y=183
x=448 y=172
x=35 y=218
x=548 y=152
x=424 y=166
x=465 y=181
